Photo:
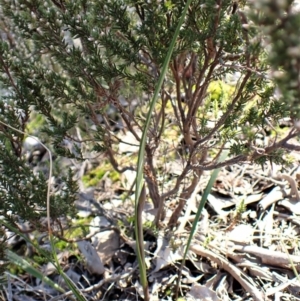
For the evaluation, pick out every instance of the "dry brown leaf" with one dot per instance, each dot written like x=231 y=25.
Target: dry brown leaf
x=106 y=244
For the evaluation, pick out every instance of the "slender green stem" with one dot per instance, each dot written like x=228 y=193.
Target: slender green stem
x=140 y=165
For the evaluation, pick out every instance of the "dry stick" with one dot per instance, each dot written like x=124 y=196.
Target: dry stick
x=292 y=182
x=149 y=171
x=254 y=156
x=50 y=171
x=291 y=146
x=281 y=287
x=190 y=166
x=169 y=193
x=231 y=269
x=198 y=98
x=182 y=199
x=177 y=79
x=269 y=257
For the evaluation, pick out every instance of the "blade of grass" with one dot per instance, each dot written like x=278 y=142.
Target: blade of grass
x=206 y=192
x=26 y=266
x=54 y=260
x=72 y=286
x=140 y=164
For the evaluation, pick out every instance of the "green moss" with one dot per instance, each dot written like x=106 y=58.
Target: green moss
x=77 y=231
x=80 y=228
x=94 y=176
x=130 y=219
x=40 y=260
x=83 y=220
x=114 y=176
x=61 y=245
x=15 y=269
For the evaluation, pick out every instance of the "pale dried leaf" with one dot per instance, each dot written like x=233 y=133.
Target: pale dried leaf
x=292 y=205
x=93 y=260
x=241 y=234
x=106 y=244
x=200 y=292
x=272 y=197
x=165 y=255
x=218 y=203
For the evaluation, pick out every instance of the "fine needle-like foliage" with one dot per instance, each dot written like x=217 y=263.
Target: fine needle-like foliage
x=76 y=73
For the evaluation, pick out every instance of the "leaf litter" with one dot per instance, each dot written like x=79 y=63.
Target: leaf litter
x=246 y=246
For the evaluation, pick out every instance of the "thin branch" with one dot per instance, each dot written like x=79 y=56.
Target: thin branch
x=258 y=153
x=234 y=271
x=290 y=146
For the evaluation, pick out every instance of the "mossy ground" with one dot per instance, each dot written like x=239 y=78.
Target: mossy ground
x=94 y=176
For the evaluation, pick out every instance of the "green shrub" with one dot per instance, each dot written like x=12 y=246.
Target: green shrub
x=74 y=72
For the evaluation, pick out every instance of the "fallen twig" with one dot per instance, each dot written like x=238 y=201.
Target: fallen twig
x=230 y=268
x=270 y=257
